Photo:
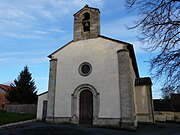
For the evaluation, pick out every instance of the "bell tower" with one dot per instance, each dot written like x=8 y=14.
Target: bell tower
x=86 y=23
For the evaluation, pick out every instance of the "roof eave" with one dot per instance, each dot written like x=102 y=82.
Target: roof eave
x=130 y=49
x=50 y=56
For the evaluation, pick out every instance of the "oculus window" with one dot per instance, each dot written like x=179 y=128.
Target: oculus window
x=85 y=69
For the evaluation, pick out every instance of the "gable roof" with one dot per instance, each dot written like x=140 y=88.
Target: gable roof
x=114 y=40
x=86 y=6
x=50 y=56
x=128 y=45
x=131 y=50
x=43 y=93
x=5 y=87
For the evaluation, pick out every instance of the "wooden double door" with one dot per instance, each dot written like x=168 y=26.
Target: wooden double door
x=86 y=108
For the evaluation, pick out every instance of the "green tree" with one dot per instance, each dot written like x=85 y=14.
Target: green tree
x=23 y=89
x=159 y=27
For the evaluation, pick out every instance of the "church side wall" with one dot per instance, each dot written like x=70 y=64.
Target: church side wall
x=41 y=98
x=126 y=89
x=102 y=55
x=133 y=92
x=143 y=103
x=51 y=90
x=133 y=75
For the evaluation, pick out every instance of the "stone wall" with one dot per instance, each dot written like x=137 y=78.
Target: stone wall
x=51 y=89
x=144 y=104
x=21 y=108
x=94 y=32
x=126 y=90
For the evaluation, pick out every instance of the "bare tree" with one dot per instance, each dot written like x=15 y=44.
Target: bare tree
x=159 y=27
x=167 y=91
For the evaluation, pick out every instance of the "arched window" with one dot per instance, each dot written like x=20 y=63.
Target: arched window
x=86 y=22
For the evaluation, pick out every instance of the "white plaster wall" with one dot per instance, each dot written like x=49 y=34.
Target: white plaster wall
x=141 y=99
x=133 y=75
x=41 y=98
x=142 y=111
x=102 y=55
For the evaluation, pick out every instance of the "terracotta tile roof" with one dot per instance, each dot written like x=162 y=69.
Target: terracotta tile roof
x=2 y=99
x=5 y=87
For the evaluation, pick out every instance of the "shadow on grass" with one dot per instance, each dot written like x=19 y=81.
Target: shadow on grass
x=6 y=118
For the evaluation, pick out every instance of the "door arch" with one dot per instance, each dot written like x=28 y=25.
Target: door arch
x=86 y=107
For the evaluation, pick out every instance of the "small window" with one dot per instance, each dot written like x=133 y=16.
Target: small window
x=85 y=69
x=86 y=22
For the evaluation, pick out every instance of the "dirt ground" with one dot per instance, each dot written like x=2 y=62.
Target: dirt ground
x=39 y=128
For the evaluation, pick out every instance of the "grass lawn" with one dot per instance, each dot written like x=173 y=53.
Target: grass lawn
x=6 y=118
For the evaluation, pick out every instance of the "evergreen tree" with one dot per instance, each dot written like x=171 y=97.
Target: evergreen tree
x=23 y=89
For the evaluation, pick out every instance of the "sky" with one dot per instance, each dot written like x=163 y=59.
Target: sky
x=30 y=30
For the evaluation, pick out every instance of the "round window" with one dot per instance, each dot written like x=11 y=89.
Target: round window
x=85 y=69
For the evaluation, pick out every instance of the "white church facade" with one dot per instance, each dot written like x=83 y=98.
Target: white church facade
x=95 y=80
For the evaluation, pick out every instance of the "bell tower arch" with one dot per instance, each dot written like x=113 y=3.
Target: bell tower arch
x=86 y=23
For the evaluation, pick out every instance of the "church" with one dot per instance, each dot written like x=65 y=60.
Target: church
x=94 y=80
